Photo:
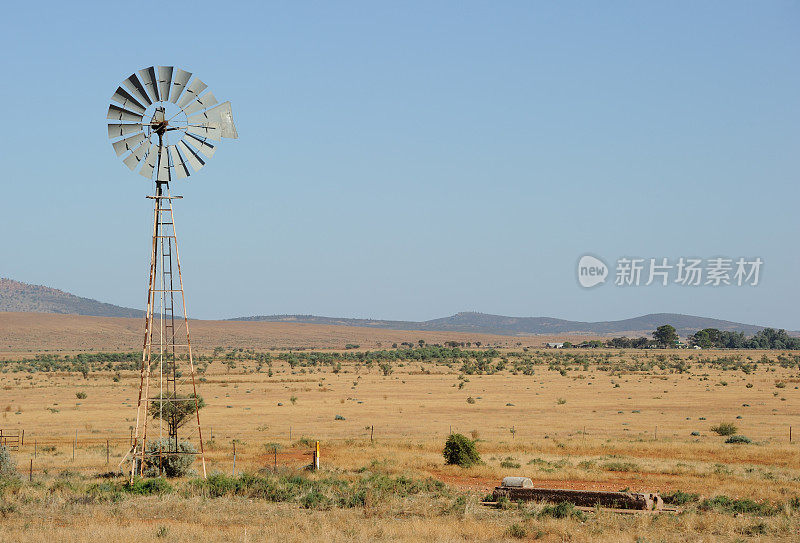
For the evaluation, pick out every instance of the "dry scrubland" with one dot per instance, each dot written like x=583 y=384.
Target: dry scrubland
x=577 y=419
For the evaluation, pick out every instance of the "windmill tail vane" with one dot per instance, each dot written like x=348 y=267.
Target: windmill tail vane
x=163 y=123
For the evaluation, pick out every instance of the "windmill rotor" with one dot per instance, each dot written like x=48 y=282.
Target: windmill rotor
x=161 y=122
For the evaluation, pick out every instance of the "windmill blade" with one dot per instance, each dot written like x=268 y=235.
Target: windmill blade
x=205 y=101
x=177 y=162
x=179 y=80
x=124 y=145
x=205 y=130
x=148 y=76
x=206 y=148
x=137 y=89
x=116 y=130
x=192 y=91
x=163 y=166
x=133 y=159
x=222 y=115
x=118 y=114
x=127 y=101
x=164 y=81
x=191 y=156
x=150 y=163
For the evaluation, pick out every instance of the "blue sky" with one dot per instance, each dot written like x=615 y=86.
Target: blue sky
x=411 y=160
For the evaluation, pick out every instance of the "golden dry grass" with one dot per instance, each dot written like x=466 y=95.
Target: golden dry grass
x=580 y=443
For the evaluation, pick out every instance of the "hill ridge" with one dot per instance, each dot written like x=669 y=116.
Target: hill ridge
x=16 y=296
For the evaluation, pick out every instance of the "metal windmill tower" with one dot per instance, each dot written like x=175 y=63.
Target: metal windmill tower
x=164 y=124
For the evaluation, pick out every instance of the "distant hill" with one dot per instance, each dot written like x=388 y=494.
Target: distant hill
x=22 y=297
x=498 y=324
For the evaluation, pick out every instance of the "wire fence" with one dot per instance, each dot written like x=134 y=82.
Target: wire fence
x=97 y=454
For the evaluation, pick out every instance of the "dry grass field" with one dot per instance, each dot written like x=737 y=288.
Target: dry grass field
x=598 y=419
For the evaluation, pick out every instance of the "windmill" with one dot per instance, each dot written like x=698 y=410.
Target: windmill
x=162 y=122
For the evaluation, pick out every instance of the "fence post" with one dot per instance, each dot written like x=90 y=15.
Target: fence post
x=108 y=451
x=371 y=431
x=275 y=458
x=790 y=434
x=30 y=473
x=23 y=438
x=316 y=456
x=234 y=458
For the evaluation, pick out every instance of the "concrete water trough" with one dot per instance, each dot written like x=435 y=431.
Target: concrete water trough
x=522 y=489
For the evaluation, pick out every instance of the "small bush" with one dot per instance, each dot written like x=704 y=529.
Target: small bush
x=738 y=439
x=743 y=506
x=470 y=400
x=724 y=429
x=510 y=463
x=315 y=500
x=562 y=510
x=169 y=465
x=561 y=401
x=339 y=417
x=147 y=487
x=680 y=498
x=80 y=395
x=517 y=531
x=620 y=466
x=459 y=450
x=8 y=469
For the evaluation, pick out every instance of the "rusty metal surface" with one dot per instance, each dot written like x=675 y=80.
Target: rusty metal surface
x=584 y=498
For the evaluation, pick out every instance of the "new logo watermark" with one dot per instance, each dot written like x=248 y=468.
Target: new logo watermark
x=683 y=271
x=591 y=271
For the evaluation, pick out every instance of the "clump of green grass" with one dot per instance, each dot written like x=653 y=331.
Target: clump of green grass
x=725 y=429
x=620 y=466
x=680 y=498
x=510 y=462
x=743 y=506
x=517 y=531
x=562 y=510
x=735 y=439
x=148 y=487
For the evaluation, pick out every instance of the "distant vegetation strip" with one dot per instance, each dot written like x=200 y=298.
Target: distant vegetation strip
x=464 y=361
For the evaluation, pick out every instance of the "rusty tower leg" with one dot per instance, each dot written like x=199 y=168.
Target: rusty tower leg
x=167 y=353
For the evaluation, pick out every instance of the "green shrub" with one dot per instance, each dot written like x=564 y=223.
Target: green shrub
x=738 y=439
x=148 y=486
x=315 y=500
x=620 y=466
x=170 y=465
x=8 y=470
x=724 y=429
x=742 y=506
x=680 y=498
x=510 y=462
x=80 y=395
x=562 y=510
x=459 y=450
x=517 y=531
